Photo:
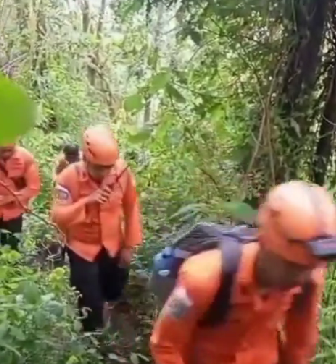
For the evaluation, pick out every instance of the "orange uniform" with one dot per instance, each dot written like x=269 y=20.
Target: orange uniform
x=21 y=175
x=250 y=334
x=96 y=206
x=89 y=227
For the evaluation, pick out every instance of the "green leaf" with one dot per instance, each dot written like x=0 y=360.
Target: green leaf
x=195 y=36
x=30 y=291
x=174 y=93
x=17 y=333
x=158 y=81
x=140 y=136
x=240 y=211
x=133 y=103
x=10 y=349
x=153 y=58
x=132 y=8
x=18 y=111
x=188 y=210
x=72 y=360
x=116 y=358
x=134 y=358
x=294 y=124
x=144 y=358
x=4 y=327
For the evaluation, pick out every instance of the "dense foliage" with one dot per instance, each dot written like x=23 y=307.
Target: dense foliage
x=212 y=103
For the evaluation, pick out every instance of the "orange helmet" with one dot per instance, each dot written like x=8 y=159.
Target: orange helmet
x=298 y=222
x=99 y=146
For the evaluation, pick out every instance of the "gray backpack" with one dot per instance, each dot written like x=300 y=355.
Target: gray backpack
x=203 y=236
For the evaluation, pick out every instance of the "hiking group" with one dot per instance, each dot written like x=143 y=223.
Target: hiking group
x=229 y=295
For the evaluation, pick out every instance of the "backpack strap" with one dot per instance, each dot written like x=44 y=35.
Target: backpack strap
x=231 y=254
x=78 y=174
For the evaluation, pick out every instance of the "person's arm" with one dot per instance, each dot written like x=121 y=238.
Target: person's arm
x=132 y=215
x=177 y=321
x=33 y=184
x=301 y=332
x=65 y=211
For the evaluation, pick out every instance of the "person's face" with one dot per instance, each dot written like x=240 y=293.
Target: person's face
x=281 y=274
x=6 y=152
x=98 y=172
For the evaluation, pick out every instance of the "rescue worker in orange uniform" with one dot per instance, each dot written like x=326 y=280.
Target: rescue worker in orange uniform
x=96 y=206
x=20 y=184
x=70 y=154
x=295 y=223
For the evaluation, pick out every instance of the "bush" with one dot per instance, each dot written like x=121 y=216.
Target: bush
x=38 y=320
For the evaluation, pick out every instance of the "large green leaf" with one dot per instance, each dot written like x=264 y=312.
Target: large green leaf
x=134 y=103
x=30 y=291
x=131 y=8
x=188 y=211
x=140 y=136
x=158 y=81
x=174 y=93
x=240 y=211
x=18 y=111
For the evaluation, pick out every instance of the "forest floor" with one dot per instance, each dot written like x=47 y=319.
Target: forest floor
x=131 y=324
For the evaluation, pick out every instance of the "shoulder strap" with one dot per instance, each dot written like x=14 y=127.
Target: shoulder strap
x=77 y=171
x=218 y=310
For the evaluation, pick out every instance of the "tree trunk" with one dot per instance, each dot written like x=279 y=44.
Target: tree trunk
x=326 y=133
x=308 y=19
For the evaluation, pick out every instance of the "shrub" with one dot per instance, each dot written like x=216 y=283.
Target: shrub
x=38 y=322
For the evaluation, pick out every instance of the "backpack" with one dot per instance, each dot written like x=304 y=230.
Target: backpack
x=202 y=237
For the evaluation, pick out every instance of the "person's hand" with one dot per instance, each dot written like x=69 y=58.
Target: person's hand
x=101 y=195
x=125 y=257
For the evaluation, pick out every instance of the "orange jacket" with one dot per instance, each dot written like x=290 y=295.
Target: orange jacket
x=20 y=174
x=250 y=333
x=88 y=227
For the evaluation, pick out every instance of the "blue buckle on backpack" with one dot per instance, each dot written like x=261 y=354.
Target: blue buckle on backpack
x=169 y=260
